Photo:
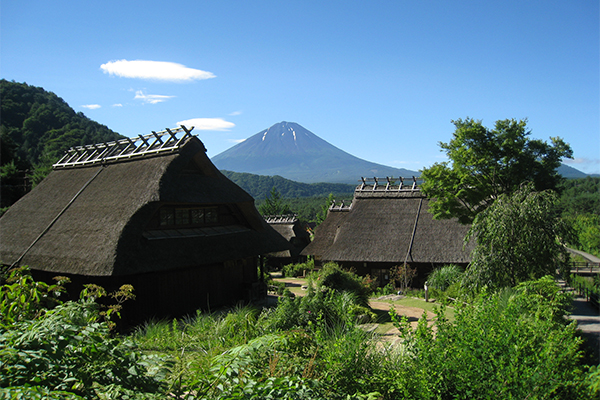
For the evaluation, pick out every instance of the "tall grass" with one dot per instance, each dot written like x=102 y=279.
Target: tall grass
x=511 y=344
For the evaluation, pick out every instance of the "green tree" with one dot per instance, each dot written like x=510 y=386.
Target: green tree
x=322 y=214
x=519 y=238
x=580 y=196
x=38 y=126
x=587 y=229
x=274 y=204
x=485 y=163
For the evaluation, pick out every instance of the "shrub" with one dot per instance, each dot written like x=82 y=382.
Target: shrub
x=402 y=276
x=443 y=277
x=68 y=350
x=333 y=277
x=295 y=270
x=584 y=284
x=511 y=344
x=272 y=366
x=387 y=289
x=22 y=298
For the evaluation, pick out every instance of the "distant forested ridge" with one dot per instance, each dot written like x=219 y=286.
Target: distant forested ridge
x=580 y=196
x=258 y=186
x=306 y=200
x=37 y=127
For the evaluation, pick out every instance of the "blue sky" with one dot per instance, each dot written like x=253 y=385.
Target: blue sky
x=381 y=80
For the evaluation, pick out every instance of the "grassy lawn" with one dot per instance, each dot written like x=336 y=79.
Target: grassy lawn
x=294 y=285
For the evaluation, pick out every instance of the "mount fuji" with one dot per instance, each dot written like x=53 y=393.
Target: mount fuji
x=289 y=150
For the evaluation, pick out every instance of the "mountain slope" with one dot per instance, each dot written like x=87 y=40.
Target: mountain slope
x=38 y=126
x=569 y=172
x=293 y=152
x=258 y=186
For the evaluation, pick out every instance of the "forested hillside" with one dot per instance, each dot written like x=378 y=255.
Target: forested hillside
x=38 y=126
x=258 y=186
x=306 y=200
x=580 y=206
x=580 y=196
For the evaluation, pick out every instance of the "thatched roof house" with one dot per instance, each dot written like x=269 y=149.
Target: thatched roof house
x=386 y=225
x=153 y=212
x=292 y=230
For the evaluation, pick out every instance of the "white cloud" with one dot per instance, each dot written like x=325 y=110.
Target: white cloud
x=91 y=106
x=233 y=114
x=151 y=98
x=207 y=124
x=154 y=70
x=117 y=105
x=587 y=165
x=578 y=160
x=236 y=141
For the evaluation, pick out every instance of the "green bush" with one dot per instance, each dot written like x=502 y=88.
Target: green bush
x=22 y=298
x=280 y=287
x=333 y=277
x=514 y=343
x=328 y=306
x=384 y=291
x=442 y=278
x=587 y=231
x=581 y=282
x=295 y=270
x=67 y=349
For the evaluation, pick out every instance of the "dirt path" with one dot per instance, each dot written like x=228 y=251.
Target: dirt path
x=588 y=320
x=412 y=313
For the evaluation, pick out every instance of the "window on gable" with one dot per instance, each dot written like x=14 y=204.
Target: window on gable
x=182 y=216
x=167 y=217
x=174 y=216
x=197 y=215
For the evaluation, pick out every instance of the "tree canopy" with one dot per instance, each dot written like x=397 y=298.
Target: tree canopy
x=38 y=126
x=274 y=204
x=519 y=238
x=485 y=163
x=259 y=186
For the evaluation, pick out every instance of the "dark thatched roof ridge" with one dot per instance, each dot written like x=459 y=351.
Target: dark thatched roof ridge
x=379 y=228
x=289 y=227
x=102 y=232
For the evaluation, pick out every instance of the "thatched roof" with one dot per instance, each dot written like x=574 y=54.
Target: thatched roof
x=290 y=228
x=388 y=226
x=286 y=225
x=93 y=218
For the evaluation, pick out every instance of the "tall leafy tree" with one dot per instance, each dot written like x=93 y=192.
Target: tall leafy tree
x=519 y=238
x=322 y=214
x=485 y=163
x=274 y=204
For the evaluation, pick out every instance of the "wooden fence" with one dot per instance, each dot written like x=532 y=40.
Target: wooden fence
x=589 y=295
x=585 y=268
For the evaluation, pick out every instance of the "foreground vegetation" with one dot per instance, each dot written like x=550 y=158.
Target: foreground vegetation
x=513 y=343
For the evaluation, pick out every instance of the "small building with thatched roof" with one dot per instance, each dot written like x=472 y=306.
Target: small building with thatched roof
x=388 y=225
x=292 y=230
x=153 y=212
